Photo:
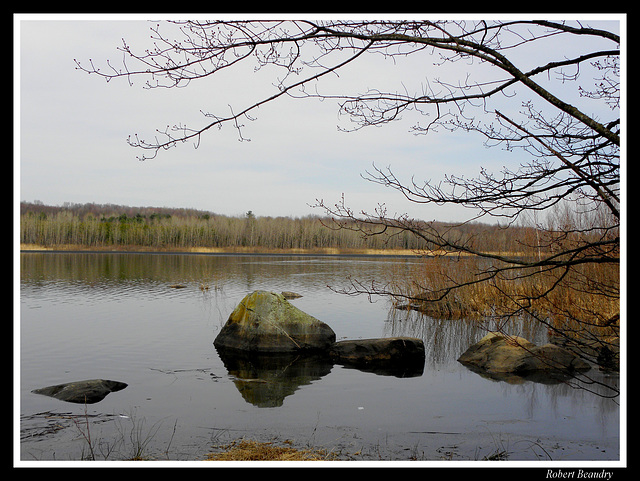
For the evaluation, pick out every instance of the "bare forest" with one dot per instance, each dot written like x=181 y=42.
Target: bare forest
x=121 y=227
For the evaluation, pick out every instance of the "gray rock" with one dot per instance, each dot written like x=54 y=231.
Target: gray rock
x=398 y=356
x=84 y=392
x=290 y=295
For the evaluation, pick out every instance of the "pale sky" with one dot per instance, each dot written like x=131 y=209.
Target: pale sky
x=71 y=137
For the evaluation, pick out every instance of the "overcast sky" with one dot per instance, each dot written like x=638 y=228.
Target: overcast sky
x=71 y=143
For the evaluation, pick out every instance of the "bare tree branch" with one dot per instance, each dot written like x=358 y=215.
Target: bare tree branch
x=566 y=274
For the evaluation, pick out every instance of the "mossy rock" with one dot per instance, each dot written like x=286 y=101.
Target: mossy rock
x=266 y=322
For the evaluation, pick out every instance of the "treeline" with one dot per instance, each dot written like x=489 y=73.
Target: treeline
x=116 y=226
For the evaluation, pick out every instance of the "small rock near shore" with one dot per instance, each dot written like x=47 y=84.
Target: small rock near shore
x=90 y=391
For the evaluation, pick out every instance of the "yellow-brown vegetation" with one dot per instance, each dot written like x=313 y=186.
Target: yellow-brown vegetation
x=244 y=450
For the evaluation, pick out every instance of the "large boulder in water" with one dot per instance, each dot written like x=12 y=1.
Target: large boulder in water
x=266 y=322
x=83 y=392
x=497 y=353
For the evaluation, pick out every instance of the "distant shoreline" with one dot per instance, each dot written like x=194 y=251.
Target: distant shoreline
x=249 y=251
x=253 y=251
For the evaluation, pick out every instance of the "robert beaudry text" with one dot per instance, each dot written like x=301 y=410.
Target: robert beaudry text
x=579 y=474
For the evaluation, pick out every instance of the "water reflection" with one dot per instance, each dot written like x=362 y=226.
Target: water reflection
x=549 y=378
x=264 y=380
x=113 y=316
x=244 y=273
x=147 y=275
x=415 y=369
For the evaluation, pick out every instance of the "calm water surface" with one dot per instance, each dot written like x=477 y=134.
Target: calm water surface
x=115 y=316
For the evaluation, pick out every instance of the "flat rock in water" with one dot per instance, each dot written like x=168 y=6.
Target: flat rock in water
x=83 y=392
x=399 y=356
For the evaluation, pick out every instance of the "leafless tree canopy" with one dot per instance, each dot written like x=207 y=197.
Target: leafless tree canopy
x=511 y=95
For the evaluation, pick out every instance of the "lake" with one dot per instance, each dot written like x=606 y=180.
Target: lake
x=115 y=316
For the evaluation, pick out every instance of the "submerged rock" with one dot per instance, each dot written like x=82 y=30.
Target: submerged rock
x=267 y=322
x=85 y=392
x=290 y=295
x=497 y=353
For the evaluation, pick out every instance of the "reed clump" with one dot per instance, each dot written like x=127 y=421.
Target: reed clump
x=247 y=450
x=470 y=288
x=448 y=288
x=579 y=306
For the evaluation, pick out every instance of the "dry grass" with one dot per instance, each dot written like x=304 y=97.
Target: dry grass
x=244 y=450
x=580 y=307
x=589 y=293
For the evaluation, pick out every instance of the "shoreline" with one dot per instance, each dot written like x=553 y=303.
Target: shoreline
x=250 y=251
x=253 y=251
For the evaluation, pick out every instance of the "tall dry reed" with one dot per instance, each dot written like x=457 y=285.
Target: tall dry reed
x=581 y=302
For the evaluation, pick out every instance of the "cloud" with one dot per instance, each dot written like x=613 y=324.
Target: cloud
x=74 y=128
